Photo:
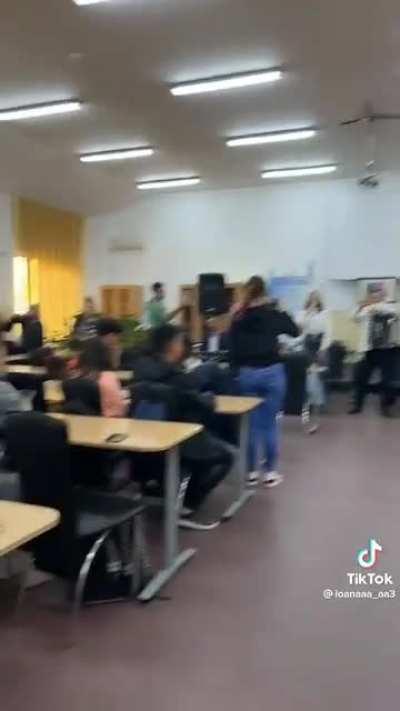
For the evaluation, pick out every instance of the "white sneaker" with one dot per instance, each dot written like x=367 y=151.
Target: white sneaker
x=185 y=512
x=253 y=478
x=271 y=479
x=196 y=525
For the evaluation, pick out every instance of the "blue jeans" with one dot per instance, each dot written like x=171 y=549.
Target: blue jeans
x=270 y=385
x=315 y=388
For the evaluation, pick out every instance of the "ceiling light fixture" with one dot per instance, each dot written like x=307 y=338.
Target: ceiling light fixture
x=171 y=183
x=236 y=81
x=88 y=2
x=299 y=172
x=275 y=137
x=123 y=154
x=39 y=110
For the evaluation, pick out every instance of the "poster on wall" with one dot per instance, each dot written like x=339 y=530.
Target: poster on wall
x=365 y=286
x=291 y=291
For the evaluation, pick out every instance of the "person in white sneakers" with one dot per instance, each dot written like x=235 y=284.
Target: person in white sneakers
x=255 y=353
x=315 y=324
x=377 y=318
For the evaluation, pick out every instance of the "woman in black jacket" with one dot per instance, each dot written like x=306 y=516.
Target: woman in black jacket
x=255 y=329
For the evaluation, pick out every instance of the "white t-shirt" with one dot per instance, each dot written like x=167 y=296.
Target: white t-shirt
x=316 y=323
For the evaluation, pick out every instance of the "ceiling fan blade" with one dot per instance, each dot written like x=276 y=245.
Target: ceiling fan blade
x=351 y=121
x=385 y=117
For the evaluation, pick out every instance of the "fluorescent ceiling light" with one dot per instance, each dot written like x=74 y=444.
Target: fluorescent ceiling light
x=223 y=83
x=123 y=154
x=276 y=137
x=299 y=172
x=88 y=2
x=173 y=183
x=39 y=110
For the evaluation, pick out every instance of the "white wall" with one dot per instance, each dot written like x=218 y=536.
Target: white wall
x=6 y=255
x=345 y=231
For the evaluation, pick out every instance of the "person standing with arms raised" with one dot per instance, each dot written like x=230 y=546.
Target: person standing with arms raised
x=377 y=318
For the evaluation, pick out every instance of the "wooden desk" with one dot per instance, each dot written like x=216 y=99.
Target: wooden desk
x=53 y=393
x=124 y=376
x=145 y=437
x=20 y=523
x=18 y=358
x=25 y=370
x=240 y=407
x=237 y=406
x=141 y=435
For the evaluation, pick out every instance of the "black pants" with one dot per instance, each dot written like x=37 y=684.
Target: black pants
x=205 y=458
x=384 y=360
x=207 y=470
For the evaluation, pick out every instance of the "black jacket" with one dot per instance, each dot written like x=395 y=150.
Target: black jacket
x=254 y=336
x=32 y=332
x=189 y=405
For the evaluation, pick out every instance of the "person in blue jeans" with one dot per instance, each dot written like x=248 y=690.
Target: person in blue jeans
x=255 y=329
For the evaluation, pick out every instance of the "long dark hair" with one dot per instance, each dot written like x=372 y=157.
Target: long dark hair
x=254 y=289
x=95 y=357
x=314 y=296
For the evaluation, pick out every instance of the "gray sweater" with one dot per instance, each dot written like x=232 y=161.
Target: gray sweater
x=10 y=400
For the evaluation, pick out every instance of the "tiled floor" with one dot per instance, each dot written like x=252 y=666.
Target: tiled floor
x=246 y=626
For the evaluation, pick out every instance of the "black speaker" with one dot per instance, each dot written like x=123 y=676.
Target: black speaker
x=212 y=295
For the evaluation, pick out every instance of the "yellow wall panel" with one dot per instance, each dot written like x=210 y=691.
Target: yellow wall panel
x=51 y=240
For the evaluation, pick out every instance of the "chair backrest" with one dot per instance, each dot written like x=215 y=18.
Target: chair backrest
x=336 y=356
x=296 y=365
x=312 y=344
x=153 y=401
x=82 y=396
x=38 y=445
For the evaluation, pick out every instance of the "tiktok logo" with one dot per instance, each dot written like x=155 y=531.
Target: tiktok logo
x=367 y=557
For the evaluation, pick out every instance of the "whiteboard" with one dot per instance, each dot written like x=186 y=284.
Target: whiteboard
x=291 y=291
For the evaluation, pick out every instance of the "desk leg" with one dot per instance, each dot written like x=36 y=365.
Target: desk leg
x=244 y=494
x=173 y=560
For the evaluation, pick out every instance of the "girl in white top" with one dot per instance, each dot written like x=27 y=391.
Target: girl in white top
x=314 y=320
x=315 y=323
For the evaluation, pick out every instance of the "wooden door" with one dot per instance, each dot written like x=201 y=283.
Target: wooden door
x=122 y=300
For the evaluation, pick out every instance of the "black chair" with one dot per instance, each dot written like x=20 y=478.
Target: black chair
x=39 y=446
x=30 y=383
x=10 y=485
x=109 y=471
x=82 y=396
x=155 y=401
x=296 y=373
x=339 y=376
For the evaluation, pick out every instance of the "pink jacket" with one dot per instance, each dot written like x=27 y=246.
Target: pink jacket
x=111 y=396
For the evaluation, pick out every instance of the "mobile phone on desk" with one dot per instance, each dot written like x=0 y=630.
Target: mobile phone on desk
x=116 y=438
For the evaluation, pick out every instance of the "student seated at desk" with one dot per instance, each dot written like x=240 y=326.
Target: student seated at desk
x=207 y=458
x=95 y=391
x=109 y=332
x=10 y=398
x=95 y=364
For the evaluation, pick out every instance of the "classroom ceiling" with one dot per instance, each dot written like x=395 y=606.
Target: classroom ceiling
x=119 y=58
